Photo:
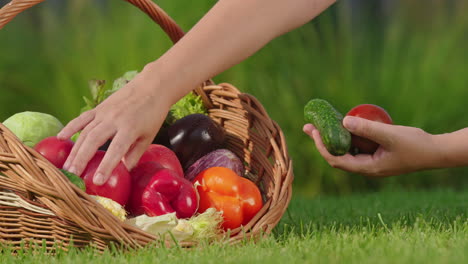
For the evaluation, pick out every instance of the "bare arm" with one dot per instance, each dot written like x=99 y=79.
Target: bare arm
x=229 y=33
x=453 y=148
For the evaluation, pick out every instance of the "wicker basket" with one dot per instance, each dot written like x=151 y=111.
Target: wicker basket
x=39 y=206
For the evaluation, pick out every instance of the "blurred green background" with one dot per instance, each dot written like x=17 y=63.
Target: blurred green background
x=410 y=57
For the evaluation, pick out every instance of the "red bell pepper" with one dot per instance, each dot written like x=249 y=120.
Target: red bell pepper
x=164 y=156
x=157 y=191
x=238 y=198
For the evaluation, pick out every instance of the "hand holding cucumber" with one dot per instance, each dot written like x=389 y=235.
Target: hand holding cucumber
x=400 y=149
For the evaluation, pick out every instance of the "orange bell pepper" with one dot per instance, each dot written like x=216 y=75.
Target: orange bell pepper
x=238 y=198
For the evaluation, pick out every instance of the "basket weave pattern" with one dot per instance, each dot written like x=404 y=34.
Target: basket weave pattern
x=39 y=205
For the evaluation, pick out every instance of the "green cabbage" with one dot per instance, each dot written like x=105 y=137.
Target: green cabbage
x=32 y=127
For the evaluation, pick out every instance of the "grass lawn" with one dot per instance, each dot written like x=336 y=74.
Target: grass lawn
x=385 y=227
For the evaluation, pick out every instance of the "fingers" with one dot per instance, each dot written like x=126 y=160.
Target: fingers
x=117 y=149
x=362 y=164
x=136 y=151
x=320 y=146
x=314 y=134
x=379 y=132
x=308 y=128
x=84 y=149
x=68 y=163
x=76 y=125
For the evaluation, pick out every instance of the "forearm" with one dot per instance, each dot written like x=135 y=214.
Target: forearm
x=229 y=33
x=453 y=148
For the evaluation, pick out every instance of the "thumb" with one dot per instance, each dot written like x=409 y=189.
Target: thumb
x=373 y=130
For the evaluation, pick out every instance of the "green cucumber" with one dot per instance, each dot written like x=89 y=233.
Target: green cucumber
x=328 y=122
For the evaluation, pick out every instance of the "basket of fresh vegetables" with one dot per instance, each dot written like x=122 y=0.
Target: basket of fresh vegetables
x=218 y=170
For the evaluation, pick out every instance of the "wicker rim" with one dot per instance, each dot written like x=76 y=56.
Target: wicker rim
x=12 y=9
x=32 y=178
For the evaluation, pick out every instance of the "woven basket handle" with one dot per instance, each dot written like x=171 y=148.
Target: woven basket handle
x=10 y=10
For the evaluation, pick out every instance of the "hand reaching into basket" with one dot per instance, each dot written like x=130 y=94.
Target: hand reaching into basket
x=229 y=33
x=402 y=149
x=131 y=117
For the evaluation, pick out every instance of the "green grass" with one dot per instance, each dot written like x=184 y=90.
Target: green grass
x=384 y=227
x=414 y=64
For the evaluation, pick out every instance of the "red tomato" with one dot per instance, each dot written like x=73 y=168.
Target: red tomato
x=370 y=112
x=54 y=150
x=118 y=185
x=164 y=156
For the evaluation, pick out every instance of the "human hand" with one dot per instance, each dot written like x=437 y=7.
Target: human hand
x=130 y=117
x=402 y=149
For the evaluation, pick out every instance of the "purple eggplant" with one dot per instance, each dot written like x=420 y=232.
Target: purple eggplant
x=192 y=137
x=218 y=158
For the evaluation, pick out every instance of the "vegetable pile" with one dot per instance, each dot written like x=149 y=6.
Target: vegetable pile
x=186 y=184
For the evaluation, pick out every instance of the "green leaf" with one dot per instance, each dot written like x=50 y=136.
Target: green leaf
x=189 y=104
x=100 y=92
x=75 y=179
x=122 y=81
x=75 y=136
x=95 y=86
x=89 y=102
